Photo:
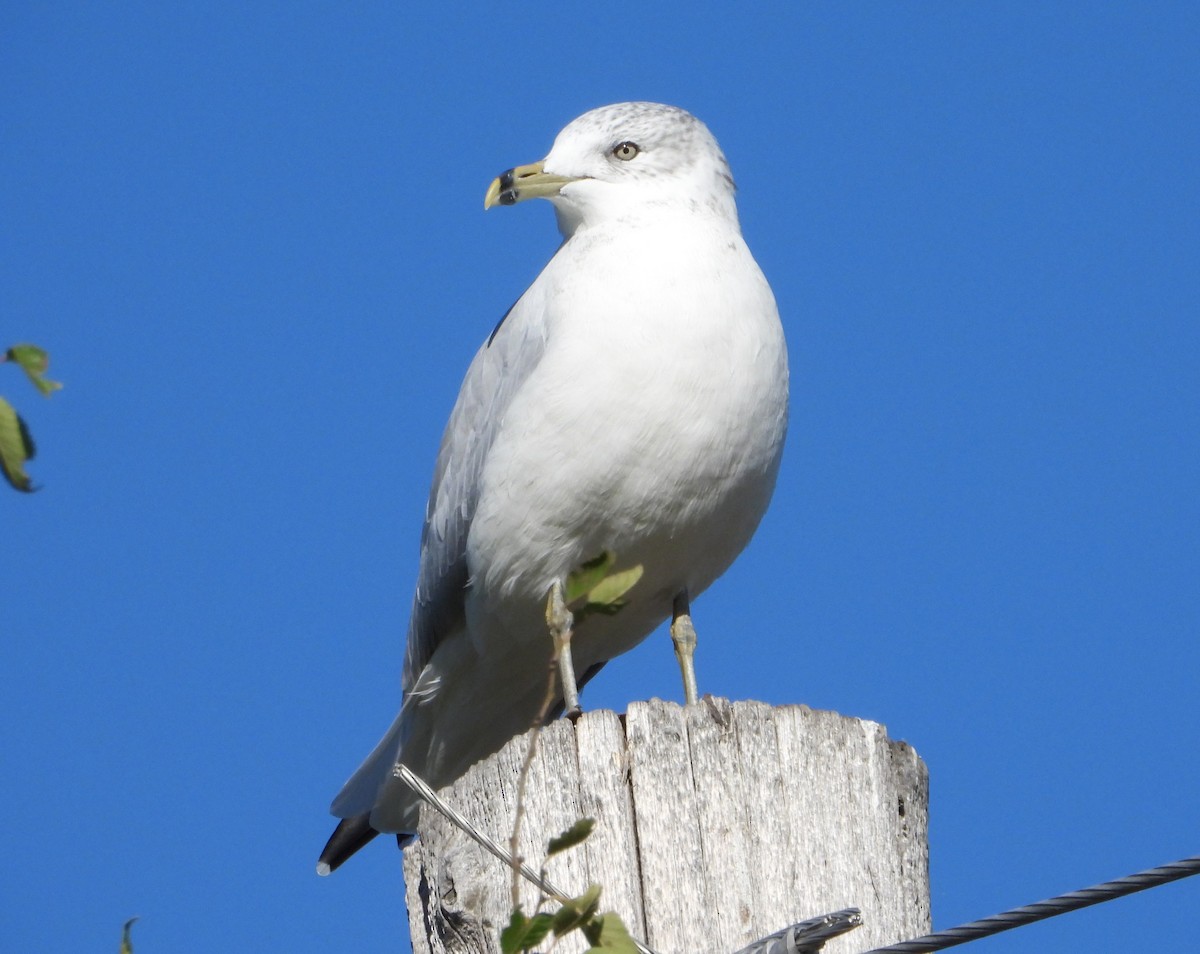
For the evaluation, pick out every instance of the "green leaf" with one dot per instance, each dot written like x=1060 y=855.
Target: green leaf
x=585 y=576
x=34 y=362
x=608 y=592
x=523 y=933
x=539 y=927
x=575 y=835
x=609 y=934
x=16 y=447
x=510 y=937
x=126 y=943
x=577 y=912
x=593 y=588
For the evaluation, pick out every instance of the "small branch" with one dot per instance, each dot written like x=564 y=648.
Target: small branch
x=553 y=600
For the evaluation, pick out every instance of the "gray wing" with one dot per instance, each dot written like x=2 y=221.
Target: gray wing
x=497 y=372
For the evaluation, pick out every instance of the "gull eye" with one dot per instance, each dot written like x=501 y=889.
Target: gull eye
x=626 y=150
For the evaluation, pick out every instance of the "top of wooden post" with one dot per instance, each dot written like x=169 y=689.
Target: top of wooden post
x=716 y=824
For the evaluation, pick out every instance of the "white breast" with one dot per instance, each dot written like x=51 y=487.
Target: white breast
x=652 y=427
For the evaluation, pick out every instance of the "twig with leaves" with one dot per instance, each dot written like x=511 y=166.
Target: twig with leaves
x=592 y=588
x=16 y=443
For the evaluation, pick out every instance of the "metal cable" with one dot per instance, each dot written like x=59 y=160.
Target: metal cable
x=418 y=785
x=807 y=937
x=1049 y=908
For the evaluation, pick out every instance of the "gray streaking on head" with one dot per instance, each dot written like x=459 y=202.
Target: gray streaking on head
x=633 y=400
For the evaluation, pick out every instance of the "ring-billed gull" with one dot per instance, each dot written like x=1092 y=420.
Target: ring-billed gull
x=634 y=401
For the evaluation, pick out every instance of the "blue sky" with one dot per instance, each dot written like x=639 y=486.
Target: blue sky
x=252 y=238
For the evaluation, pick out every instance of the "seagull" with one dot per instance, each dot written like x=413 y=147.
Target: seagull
x=633 y=401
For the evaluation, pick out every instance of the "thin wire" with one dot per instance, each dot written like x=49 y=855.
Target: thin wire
x=1049 y=908
x=418 y=785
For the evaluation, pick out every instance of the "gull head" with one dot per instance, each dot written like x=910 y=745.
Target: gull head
x=622 y=162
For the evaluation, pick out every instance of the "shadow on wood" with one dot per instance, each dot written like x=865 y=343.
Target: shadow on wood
x=715 y=825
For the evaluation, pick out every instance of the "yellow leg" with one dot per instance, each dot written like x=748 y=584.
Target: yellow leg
x=683 y=635
x=562 y=625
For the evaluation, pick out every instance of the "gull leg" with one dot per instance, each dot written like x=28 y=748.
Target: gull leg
x=683 y=635
x=561 y=622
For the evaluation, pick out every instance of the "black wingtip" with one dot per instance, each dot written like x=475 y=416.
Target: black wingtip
x=349 y=836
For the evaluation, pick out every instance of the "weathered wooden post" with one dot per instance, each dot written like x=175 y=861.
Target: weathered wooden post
x=715 y=825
